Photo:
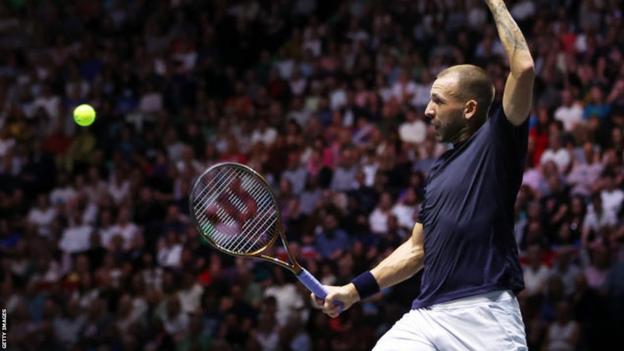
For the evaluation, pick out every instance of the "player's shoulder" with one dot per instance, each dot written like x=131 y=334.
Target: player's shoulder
x=498 y=115
x=500 y=123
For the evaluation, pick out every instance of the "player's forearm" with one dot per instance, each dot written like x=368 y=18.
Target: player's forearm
x=516 y=47
x=402 y=264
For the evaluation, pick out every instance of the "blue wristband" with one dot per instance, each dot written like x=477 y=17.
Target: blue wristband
x=366 y=285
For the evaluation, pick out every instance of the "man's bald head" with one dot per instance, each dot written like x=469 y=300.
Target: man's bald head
x=472 y=84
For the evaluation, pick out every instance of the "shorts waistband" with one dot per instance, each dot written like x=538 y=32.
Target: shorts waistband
x=489 y=297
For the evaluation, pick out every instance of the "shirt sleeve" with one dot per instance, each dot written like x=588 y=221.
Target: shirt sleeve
x=421 y=214
x=511 y=140
x=517 y=136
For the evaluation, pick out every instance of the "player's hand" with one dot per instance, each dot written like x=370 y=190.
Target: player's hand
x=346 y=295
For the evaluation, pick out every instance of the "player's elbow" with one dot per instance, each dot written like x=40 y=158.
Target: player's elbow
x=524 y=70
x=528 y=69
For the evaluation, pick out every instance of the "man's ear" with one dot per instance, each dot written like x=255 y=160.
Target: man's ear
x=470 y=109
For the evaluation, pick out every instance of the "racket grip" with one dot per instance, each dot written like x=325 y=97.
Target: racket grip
x=310 y=282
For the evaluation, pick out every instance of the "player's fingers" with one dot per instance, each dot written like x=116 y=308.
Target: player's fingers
x=333 y=314
x=316 y=302
x=313 y=299
x=331 y=307
x=327 y=304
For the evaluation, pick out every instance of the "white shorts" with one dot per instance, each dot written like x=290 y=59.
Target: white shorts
x=490 y=321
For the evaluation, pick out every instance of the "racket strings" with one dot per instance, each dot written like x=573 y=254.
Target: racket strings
x=206 y=198
x=214 y=192
x=264 y=221
x=256 y=233
x=222 y=179
x=222 y=214
x=243 y=227
x=249 y=228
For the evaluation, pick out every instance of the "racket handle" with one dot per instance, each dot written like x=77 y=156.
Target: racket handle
x=310 y=282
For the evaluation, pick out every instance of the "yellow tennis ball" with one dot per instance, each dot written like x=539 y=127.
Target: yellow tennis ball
x=84 y=115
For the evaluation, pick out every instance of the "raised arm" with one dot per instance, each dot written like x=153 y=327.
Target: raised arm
x=400 y=265
x=518 y=94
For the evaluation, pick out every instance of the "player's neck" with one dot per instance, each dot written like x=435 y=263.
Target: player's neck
x=467 y=131
x=462 y=135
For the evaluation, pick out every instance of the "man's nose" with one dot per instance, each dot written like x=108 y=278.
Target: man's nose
x=429 y=115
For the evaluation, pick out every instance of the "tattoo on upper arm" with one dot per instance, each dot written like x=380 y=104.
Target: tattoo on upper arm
x=508 y=28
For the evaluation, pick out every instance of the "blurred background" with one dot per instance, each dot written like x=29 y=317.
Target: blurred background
x=325 y=98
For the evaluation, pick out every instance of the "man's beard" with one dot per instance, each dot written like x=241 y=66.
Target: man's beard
x=450 y=131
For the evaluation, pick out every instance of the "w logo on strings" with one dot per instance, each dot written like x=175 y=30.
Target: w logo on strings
x=235 y=204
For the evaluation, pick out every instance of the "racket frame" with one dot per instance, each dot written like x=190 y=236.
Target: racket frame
x=292 y=266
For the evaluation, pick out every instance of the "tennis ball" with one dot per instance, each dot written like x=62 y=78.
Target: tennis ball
x=84 y=115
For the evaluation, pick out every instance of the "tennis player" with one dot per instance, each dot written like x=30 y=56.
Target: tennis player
x=463 y=239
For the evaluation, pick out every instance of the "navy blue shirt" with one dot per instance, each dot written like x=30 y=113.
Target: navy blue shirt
x=468 y=215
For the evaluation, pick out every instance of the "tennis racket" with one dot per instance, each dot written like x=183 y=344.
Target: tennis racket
x=235 y=209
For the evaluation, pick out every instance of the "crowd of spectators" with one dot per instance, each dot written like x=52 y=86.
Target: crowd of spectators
x=326 y=99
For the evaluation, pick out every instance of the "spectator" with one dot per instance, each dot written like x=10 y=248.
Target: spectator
x=563 y=333
x=404 y=88
x=196 y=338
x=539 y=135
x=42 y=216
x=76 y=238
x=570 y=113
x=596 y=106
x=567 y=269
x=289 y=302
x=264 y=134
x=62 y=193
x=128 y=231
x=170 y=250
x=106 y=229
x=597 y=271
x=378 y=219
x=295 y=173
x=535 y=273
x=612 y=197
x=427 y=157
x=596 y=220
x=413 y=130
x=344 y=176
x=555 y=152
x=405 y=208
x=174 y=319
x=67 y=327
x=585 y=172
x=190 y=294
x=119 y=188
x=331 y=240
